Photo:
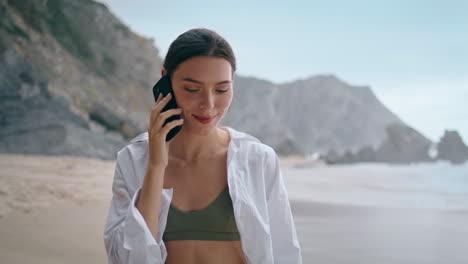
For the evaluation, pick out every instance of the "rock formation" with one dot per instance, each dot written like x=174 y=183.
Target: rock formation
x=402 y=145
x=452 y=148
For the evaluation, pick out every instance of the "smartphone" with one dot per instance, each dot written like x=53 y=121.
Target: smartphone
x=164 y=86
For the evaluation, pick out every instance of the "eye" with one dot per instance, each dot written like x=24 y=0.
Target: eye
x=189 y=90
x=193 y=91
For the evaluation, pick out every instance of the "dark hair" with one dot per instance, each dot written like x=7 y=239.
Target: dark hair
x=197 y=42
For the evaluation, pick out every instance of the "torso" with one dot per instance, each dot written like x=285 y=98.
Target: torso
x=196 y=186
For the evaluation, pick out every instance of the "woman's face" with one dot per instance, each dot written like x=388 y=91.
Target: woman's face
x=203 y=87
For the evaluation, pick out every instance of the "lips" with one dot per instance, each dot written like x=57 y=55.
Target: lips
x=204 y=119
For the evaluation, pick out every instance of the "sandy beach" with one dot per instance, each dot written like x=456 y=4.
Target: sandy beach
x=53 y=210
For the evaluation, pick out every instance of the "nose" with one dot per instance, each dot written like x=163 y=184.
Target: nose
x=207 y=101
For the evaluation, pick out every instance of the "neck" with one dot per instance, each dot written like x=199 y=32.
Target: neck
x=190 y=148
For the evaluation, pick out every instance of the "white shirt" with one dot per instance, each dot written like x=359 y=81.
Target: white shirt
x=259 y=197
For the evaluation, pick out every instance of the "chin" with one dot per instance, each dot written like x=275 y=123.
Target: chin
x=203 y=129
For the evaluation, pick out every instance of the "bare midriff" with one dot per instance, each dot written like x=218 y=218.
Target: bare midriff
x=209 y=252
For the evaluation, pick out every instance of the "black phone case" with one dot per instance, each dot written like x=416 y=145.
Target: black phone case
x=164 y=86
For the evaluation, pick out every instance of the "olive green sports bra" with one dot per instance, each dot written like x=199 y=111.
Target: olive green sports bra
x=214 y=222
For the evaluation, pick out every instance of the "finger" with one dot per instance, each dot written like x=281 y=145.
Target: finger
x=170 y=126
x=159 y=122
x=159 y=97
x=158 y=107
x=162 y=103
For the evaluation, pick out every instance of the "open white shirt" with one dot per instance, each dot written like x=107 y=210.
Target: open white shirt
x=259 y=197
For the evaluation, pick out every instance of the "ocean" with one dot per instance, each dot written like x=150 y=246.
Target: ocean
x=379 y=213
x=427 y=185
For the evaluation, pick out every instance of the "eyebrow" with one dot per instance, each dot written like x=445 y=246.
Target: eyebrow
x=199 y=82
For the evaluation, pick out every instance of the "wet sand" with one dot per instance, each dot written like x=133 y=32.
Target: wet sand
x=332 y=233
x=53 y=210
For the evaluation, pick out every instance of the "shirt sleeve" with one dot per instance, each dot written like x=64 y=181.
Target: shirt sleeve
x=286 y=248
x=127 y=238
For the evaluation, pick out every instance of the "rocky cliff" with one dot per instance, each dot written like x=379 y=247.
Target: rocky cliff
x=323 y=112
x=79 y=54
x=312 y=115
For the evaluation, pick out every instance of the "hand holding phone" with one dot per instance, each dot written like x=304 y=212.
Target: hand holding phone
x=164 y=87
x=157 y=134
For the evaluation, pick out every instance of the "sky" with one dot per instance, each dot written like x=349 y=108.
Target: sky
x=413 y=54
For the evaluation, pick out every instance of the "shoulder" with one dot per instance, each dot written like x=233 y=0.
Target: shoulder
x=263 y=152
x=132 y=160
x=136 y=148
x=261 y=163
x=252 y=148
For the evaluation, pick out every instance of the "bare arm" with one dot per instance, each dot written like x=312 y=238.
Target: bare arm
x=131 y=231
x=150 y=197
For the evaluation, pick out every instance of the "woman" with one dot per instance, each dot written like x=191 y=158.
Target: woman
x=211 y=194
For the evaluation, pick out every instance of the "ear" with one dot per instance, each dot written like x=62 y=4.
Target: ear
x=163 y=72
